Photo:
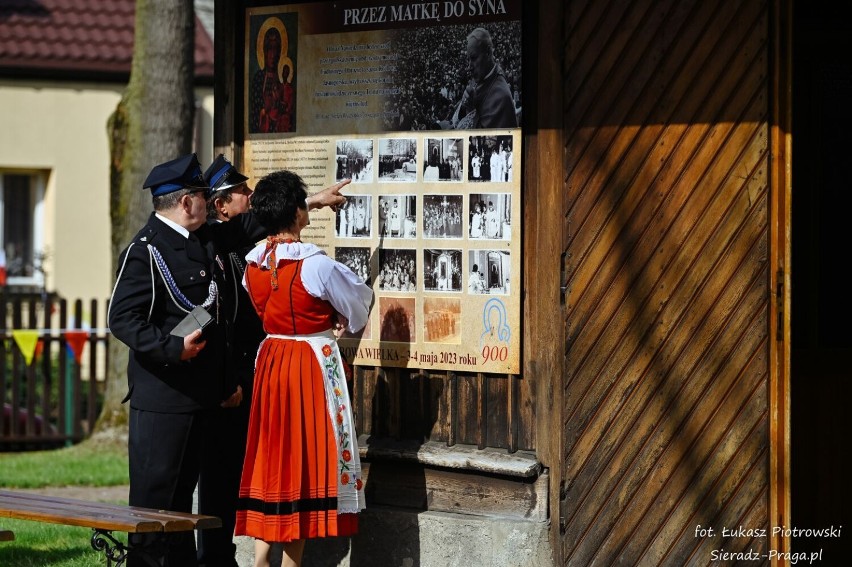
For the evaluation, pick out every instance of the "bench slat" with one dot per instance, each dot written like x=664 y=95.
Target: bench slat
x=99 y=515
x=164 y=516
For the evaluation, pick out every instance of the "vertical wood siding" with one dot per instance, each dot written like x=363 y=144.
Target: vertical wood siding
x=485 y=410
x=666 y=421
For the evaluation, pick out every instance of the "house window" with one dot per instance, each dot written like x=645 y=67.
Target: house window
x=21 y=231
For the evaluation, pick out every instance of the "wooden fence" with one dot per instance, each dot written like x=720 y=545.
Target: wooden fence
x=52 y=376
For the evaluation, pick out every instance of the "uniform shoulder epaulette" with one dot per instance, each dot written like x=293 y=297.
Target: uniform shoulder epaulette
x=146 y=236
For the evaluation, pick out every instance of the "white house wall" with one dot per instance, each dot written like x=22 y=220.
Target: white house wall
x=60 y=130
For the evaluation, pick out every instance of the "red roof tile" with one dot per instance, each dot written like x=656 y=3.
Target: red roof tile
x=67 y=37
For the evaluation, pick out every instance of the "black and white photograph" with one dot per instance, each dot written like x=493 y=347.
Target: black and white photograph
x=397 y=270
x=354 y=218
x=490 y=271
x=397 y=321
x=397 y=216
x=354 y=160
x=442 y=270
x=456 y=77
x=490 y=216
x=490 y=158
x=442 y=320
x=442 y=216
x=397 y=160
x=356 y=259
x=444 y=160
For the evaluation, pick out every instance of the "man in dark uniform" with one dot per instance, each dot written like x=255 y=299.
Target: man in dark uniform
x=222 y=459
x=176 y=383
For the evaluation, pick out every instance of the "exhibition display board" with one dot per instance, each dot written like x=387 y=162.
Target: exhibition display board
x=419 y=105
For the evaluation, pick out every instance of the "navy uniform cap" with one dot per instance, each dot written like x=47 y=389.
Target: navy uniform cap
x=222 y=175
x=180 y=173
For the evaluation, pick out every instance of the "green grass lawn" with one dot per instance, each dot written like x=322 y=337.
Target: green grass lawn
x=86 y=464
x=49 y=545
x=39 y=544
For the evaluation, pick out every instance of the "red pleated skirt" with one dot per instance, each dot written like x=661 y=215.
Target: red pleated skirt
x=288 y=489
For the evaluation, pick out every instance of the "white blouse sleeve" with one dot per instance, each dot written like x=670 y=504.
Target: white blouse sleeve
x=336 y=283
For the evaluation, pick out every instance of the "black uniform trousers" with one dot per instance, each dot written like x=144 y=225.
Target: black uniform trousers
x=163 y=475
x=219 y=483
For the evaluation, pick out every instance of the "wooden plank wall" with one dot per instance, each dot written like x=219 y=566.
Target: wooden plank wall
x=667 y=236
x=483 y=410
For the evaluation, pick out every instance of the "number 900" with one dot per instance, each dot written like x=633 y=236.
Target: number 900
x=496 y=353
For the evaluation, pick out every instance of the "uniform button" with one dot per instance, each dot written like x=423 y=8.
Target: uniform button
x=203 y=273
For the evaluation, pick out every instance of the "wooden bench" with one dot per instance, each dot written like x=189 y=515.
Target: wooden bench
x=103 y=518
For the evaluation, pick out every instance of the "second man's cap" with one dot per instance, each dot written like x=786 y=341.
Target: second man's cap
x=222 y=175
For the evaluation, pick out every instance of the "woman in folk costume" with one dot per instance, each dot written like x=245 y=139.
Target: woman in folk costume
x=301 y=475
